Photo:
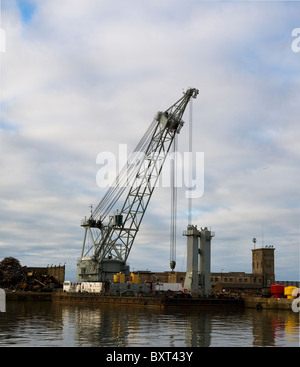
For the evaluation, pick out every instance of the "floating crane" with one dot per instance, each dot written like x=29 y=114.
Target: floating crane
x=108 y=237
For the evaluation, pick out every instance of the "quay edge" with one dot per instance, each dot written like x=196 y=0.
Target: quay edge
x=28 y=296
x=258 y=303
x=261 y=303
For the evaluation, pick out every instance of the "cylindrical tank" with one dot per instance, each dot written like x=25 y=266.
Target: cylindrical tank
x=117 y=278
x=135 y=278
x=122 y=278
x=277 y=290
x=288 y=292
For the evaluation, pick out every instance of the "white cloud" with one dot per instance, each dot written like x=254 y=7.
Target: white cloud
x=79 y=78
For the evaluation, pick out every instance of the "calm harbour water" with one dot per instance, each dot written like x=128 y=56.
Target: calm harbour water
x=57 y=324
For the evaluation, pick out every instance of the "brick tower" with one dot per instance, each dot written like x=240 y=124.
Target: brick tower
x=263 y=264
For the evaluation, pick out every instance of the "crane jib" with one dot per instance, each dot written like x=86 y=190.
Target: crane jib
x=107 y=243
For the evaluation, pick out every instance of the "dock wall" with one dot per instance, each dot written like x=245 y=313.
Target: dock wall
x=268 y=303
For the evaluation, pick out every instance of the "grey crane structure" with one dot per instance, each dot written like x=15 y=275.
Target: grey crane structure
x=108 y=238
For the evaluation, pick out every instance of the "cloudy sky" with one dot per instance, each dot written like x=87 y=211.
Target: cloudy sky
x=81 y=77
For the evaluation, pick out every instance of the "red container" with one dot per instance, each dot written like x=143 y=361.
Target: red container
x=277 y=290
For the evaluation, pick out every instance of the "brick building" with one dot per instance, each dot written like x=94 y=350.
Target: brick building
x=57 y=272
x=262 y=274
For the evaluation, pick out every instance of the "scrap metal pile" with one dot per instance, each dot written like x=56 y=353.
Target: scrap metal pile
x=13 y=276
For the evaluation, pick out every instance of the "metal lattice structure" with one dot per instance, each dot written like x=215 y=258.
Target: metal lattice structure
x=108 y=239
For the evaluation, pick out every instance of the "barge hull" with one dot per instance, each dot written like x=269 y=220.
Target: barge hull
x=258 y=303
x=146 y=301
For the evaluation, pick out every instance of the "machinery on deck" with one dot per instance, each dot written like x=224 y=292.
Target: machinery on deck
x=197 y=279
x=108 y=238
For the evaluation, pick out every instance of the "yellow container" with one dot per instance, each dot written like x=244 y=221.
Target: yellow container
x=288 y=291
x=135 y=278
x=122 y=277
x=117 y=278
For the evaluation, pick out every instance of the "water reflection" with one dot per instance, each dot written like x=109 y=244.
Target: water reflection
x=54 y=324
x=134 y=326
x=271 y=328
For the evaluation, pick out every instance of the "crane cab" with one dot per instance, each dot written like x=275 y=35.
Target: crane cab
x=169 y=121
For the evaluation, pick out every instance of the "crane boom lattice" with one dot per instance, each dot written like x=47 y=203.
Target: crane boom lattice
x=108 y=239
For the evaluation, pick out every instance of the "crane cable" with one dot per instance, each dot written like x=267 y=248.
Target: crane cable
x=173 y=205
x=124 y=177
x=191 y=161
x=174 y=189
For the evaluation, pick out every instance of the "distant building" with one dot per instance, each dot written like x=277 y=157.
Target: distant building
x=263 y=265
x=262 y=274
x=57 y=272
x=162 y=277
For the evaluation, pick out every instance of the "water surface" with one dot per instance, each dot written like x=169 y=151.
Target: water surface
x=58 y=324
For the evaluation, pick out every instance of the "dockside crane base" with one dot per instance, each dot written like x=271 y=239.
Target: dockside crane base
x=108 y=238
